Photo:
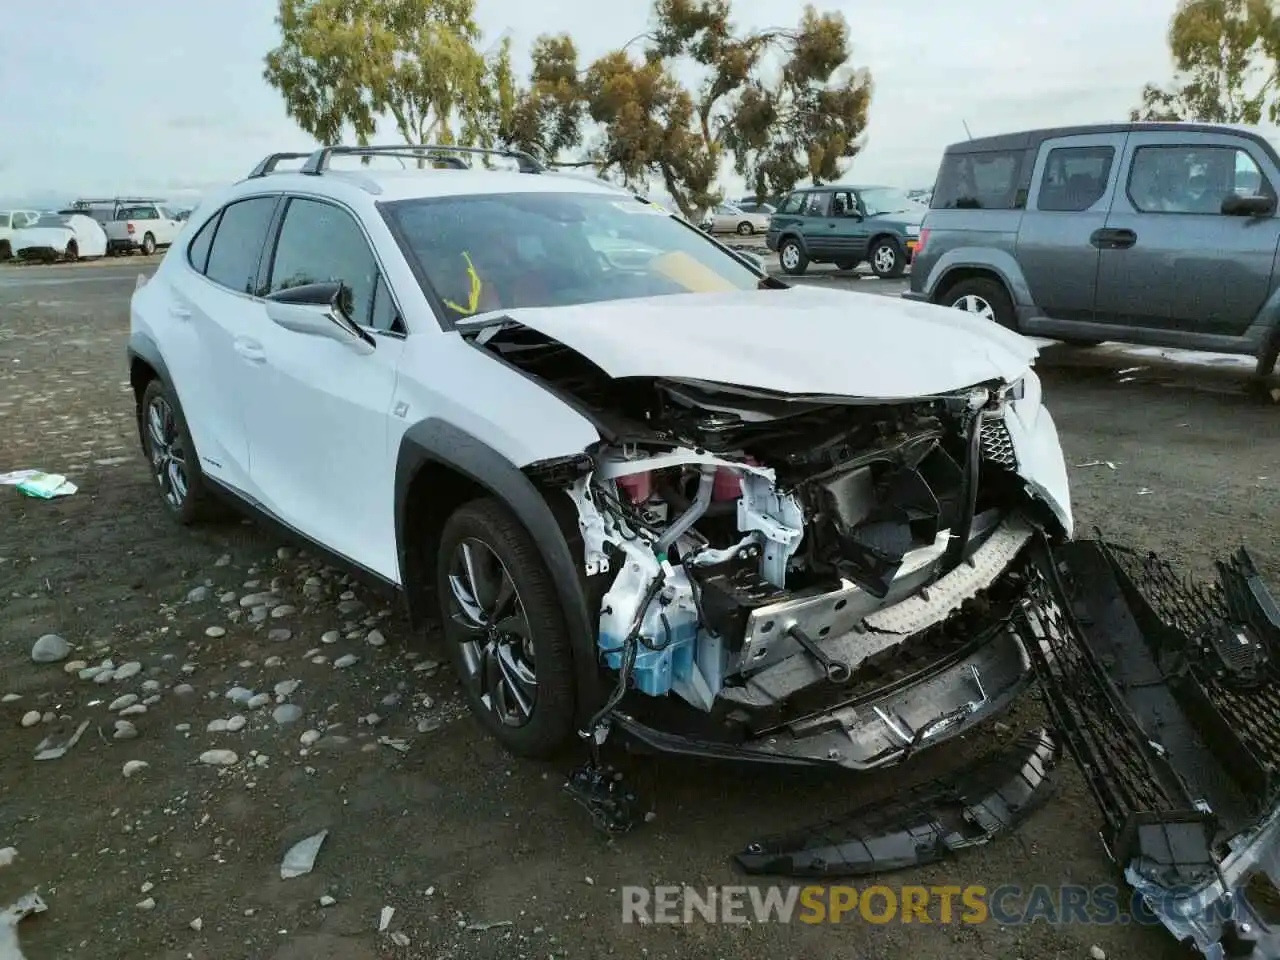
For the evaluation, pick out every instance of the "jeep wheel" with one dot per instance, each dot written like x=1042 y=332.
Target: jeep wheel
x=172 y=456
x=792 y=258
x=148 y=245
x=745 y=229
x=505 y=630
x=983 y=297
x=888 y=262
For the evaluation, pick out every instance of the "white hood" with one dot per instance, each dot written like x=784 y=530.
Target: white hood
x=803 y=340
x=40 y=237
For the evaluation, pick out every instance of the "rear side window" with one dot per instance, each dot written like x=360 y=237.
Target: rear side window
x=978 y=181
x=817 y=204
x=198 y=251
x=242 y=230
x=792 y=204
x=1075 y=178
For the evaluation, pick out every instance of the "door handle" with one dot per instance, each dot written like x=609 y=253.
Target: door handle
x=180 y=313
x=1113 y=238
x=250 y=350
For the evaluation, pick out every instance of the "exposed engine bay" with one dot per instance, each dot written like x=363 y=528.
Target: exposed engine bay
x=734 y=532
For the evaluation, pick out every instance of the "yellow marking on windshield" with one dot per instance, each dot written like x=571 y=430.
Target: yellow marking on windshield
x=473 y=300
x=694 y=276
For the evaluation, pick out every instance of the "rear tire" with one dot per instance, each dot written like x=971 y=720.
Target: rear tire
x=148 y=245
x=1269 y=355
x=984 y=297
x=484 y=554
x=72 y=253
x=175 y=466
x=6 y=251
x=745 y=229
x=792 y=257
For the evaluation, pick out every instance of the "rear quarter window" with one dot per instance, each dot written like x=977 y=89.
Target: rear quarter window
x=978 y=181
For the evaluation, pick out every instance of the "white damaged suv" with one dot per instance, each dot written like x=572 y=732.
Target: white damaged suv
x=643 y=485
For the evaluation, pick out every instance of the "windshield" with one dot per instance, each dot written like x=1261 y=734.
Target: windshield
x=879 y=200
x=50 y=220
x=512 y=250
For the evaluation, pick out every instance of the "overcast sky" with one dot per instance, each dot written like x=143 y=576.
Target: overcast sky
x=110 y=98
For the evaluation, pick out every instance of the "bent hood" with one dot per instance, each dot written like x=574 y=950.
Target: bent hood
x=801 y=340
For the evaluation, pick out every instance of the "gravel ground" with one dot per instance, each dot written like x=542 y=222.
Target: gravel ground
x=425 y=815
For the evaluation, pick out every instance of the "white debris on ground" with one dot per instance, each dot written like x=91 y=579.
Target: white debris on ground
x=164 y=681
x=10 y=917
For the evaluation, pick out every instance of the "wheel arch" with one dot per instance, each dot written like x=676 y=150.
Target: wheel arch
x=957 y=275
x=439 y=467
x=145 y=364
x=786 y=235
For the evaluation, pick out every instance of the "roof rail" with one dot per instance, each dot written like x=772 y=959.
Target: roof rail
x=85 y=201
x=269 y=162
x=318 y=162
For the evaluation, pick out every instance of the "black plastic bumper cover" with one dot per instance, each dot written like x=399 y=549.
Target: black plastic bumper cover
x=1165 y=693
x=933 y=820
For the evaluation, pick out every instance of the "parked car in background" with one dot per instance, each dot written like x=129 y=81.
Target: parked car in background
x=1151 y=233
x=11 y=220
x=59 y=236
x=731 y=218
x=751 y=206
x=846 y=225
x=751 y=203
x=143 y=227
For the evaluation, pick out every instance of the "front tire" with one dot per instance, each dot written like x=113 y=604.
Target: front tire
x=505 y=630
x=745 y=229
x=792 y=257
x=983 y=297
x=6 y=251
x=172 y=456
x=887 y=259
x=72 y=253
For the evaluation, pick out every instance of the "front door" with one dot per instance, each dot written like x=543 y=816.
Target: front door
x=1174 y=261
x=321 y=456
x=1071 y=191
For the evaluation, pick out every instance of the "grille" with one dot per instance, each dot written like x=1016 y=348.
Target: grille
x=997 y=445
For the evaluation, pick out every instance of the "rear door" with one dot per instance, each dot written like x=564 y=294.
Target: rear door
x=1072 y=186
x=819 y=226
x=852 y=231
x=1170 y=259
x=319 y=433
x=222 y=308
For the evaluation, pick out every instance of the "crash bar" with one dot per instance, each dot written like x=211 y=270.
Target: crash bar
x=318 y=162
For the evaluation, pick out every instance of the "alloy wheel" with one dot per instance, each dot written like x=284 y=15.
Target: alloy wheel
x=971 y=303
x=884 y=259
x=790 y=256
x=497 y=642
x=168 y=453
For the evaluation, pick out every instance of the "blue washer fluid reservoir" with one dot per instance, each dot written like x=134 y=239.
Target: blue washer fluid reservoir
x=656 y=669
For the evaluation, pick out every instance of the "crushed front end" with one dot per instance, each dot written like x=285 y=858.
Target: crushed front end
x=813 y=580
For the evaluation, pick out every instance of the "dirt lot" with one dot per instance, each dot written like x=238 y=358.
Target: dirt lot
x=451 y=832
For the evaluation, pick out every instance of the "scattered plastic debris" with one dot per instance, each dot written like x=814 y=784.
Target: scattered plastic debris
x=1097 y=463
x=395 y=743
x=37 y=483
x=384 y=920
x=301 y=857
x=10 y=917
x=50 y=749
x=7 y=856
x=400 y=939
x=490 y=925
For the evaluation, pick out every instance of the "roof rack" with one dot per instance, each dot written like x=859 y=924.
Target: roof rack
x=86 y=201
x=318 y=162
x=269 y=162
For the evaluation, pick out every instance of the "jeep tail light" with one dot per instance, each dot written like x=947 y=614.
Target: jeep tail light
x=129 y=227
x=922 y=240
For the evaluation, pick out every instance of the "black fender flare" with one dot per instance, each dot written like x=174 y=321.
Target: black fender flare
x=792 y=235
x=436 y=441
x=143 y=347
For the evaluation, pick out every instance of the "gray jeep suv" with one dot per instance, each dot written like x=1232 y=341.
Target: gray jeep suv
x=1155 y=233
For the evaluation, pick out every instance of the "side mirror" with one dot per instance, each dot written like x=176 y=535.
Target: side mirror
x=1257 y=205
x=315 y=309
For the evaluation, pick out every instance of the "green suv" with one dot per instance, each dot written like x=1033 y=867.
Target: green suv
x=846 y=225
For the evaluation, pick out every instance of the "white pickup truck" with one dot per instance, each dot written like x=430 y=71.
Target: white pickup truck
x=143 y=226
